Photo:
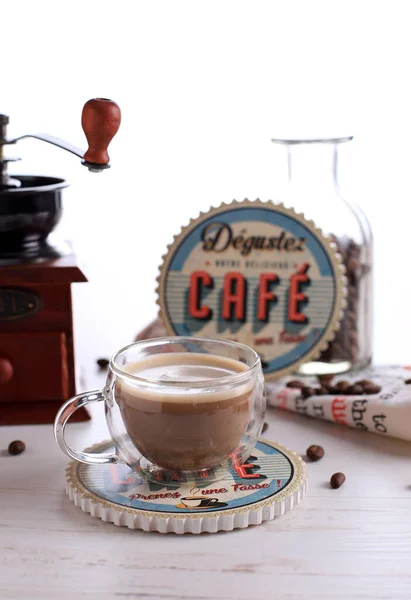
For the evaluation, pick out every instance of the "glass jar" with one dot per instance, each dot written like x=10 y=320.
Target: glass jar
x=313 y=190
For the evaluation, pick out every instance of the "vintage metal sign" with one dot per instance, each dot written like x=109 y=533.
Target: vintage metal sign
x=257 y=273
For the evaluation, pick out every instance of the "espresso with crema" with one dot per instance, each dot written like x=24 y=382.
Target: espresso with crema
x=180 y=427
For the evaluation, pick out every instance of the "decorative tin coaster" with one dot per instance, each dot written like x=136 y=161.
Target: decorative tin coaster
x=271 y=482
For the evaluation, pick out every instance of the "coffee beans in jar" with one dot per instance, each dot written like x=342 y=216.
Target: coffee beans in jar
x=352 y=342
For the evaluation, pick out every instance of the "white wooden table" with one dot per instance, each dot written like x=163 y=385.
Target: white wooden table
x=354 y=542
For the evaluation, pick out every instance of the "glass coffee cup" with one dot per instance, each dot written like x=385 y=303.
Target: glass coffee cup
x=180 y=404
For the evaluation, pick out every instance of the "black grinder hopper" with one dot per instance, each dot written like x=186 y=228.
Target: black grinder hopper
x=31 y=205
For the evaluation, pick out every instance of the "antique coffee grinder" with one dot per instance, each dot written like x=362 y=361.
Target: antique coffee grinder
x=37 y=370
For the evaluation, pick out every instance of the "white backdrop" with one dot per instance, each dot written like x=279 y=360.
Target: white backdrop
x=203 y=86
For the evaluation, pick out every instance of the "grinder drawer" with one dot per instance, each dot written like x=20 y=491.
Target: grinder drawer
x=35 y=366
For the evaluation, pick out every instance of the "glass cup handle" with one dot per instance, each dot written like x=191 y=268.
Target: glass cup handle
x=63 y=415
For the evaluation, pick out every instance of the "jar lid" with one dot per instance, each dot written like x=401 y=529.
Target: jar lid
x=312 y=140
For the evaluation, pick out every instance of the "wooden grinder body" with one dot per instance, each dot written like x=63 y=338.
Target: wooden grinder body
x=37 y=367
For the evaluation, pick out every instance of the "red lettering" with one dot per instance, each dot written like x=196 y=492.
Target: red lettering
x=204 y=474
x=263 y=340
x=265 y=295
x=114 y=477
x=165 y=476
x=290 y=338
x=198 y=280
x=234 y=298
x=242 y=469
x=282 y=398
x=154 y=496
x=338 y=409
x=296 y=296
x=220 y=491
x=247 y=488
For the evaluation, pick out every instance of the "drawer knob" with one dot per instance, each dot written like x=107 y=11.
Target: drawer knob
x=6 y=370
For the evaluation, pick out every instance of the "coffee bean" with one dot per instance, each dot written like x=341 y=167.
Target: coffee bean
x=353 y=270
x=325 y=379
x=364 y=382
x=346 y=343
x=103 y=363
x=295 y=384
x=337 y=480
x=333 y=390
x=342 y=385
x=354 y=390
x=16 y=447
x=306 y=392
x=315 y=452
x=265 y=427
x=407 y=381
x=321 y=391
x=371 y=388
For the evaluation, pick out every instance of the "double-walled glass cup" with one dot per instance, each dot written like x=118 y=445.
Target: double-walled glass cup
x=181 y=404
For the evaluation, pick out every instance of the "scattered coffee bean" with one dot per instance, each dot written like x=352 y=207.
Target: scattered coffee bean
x=306 y=392
x=295 y=384
x=337 y=480
x=371 y=388
x=16 y=447
x=354 y=390
x=265 y=427
x=315 y=452
x=407 y=381
x=342 y=385
x=322 y=391
x=103 y=363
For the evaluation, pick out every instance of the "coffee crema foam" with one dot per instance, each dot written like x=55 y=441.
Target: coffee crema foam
x=184 y=368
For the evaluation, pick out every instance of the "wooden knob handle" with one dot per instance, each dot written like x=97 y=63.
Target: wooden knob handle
x=6 y=370
x=100 y=121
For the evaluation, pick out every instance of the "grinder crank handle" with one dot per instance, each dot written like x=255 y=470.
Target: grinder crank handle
x=100 y=120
